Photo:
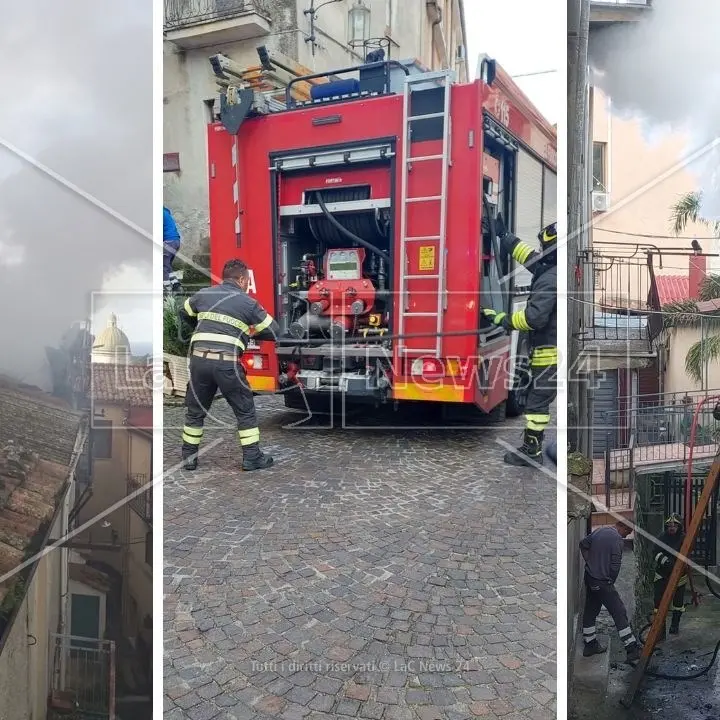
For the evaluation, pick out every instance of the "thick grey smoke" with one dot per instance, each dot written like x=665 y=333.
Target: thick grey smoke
x=666 y=68
x=76 y=91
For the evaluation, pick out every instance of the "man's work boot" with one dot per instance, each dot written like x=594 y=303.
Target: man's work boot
x=531 y=450
x=190 y=457
x=254 y=458
x=593 y=648
x=675 y=622
x=633 y=652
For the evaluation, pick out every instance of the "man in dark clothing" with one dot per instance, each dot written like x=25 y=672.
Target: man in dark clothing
x=672 y=537
x=225 y=317
x=602 y=551
x=539 y=320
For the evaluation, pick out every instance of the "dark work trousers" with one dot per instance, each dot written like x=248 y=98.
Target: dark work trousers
x=170 y=250
x=207 y=376
x=599 y=595
x=678 y=601
x=542 y=393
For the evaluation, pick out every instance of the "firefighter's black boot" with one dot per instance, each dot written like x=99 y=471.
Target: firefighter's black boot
x=190 y=457
x=254 y=458
x=593 y=648
x=633 y=652
x=531 y=449
x=675 y=623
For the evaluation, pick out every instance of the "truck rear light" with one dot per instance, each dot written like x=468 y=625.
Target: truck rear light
x=256 y=362
x=427 y=368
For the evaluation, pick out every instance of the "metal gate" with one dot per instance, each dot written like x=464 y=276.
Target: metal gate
x=82 y=677
x=705 y=549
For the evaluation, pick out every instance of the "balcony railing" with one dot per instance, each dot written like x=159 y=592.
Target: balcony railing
x=621 y=290
x=657 y=429
x=180 y=14
x=141 y=503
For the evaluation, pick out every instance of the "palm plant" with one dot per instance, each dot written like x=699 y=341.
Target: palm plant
x=687 y=210
x=685 y=313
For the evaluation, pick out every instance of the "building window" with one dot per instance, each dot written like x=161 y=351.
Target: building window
x=102 y=439
x=149 y=549
x=599 y=169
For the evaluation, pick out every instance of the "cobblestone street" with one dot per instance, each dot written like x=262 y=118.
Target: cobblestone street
x=405 y=575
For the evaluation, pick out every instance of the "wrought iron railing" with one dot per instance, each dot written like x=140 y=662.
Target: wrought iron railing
x=82 y=677
x=141 y=502
x=622 y=292
x=186 y=13
x=660 y=428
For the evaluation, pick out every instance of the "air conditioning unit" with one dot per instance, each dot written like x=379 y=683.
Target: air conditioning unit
x=600 y=201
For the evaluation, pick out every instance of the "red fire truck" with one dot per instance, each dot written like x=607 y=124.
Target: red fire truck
x=366 y=214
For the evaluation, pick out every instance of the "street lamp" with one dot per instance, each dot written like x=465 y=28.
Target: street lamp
x=358 y=24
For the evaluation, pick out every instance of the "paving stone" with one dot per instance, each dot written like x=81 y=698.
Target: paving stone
x=339 y=560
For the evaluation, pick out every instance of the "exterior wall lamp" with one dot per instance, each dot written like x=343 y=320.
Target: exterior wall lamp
x=358 y=24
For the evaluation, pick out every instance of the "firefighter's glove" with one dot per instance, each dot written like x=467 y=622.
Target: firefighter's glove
x=500 y=229
x=496 y=318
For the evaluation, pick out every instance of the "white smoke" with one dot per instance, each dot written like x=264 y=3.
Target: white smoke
x=666 y=70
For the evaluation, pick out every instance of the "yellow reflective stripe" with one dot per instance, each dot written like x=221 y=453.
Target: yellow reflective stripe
x=537 y=422
x=678 y=609
x=197 y=432
x=522 y=251
x=519 y=322
x=188 y=308
x=226 y=319
x=217 y=338
x=543 y=362
x=265 y=323
x=190 y=437
x=658 y=557
x=248 y=437
x=544 y=357
x=547 y=237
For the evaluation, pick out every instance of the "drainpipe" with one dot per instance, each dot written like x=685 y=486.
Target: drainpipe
x=68 y=502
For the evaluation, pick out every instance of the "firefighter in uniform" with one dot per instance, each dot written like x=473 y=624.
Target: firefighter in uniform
x=539 y=320
x=224 y=316
x=672 y=537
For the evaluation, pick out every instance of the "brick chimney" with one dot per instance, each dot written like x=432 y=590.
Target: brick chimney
x=698 y=272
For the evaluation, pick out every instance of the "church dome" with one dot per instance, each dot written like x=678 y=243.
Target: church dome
x=112 y=344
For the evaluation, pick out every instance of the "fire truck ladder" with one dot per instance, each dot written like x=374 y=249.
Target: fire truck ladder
x=444 y=80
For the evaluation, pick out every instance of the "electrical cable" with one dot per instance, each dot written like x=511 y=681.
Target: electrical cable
x=669 y=676
x=651 y=312
x=651 y=236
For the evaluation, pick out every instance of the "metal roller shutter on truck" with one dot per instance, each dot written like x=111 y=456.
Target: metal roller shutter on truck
x=549 y=211
x=529 y=201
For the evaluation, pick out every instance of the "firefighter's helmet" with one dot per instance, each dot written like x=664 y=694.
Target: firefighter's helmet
x=674 y=519
x=548 y=236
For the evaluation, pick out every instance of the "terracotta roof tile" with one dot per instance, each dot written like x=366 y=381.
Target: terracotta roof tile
x=122 y=384
x=29 y=490
x=672 y=288
x=43 y=424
